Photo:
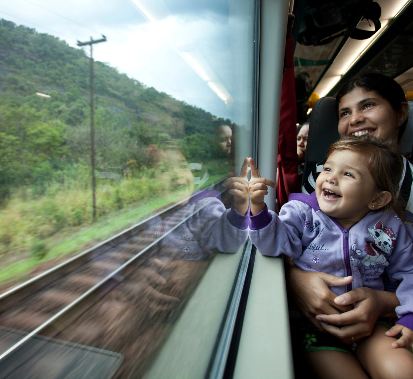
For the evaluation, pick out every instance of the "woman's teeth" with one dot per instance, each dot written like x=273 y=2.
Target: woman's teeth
x=360 y=133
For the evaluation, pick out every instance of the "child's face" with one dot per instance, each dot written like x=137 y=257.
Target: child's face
x=345 y=188
x=176 y=173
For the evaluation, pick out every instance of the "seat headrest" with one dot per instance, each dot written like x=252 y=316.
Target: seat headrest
x=323 y=129
x=406 y=142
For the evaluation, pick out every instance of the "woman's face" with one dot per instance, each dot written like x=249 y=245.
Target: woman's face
x=225 y=138
x=363 y=112
x=302 y=138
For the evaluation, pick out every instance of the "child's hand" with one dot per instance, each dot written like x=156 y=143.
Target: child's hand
x=238 y=187
x=406 y=340
x=258 y=189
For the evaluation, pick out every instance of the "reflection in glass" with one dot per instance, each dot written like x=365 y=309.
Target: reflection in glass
x=173 y=105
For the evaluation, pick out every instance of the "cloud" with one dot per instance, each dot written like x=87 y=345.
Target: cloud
x=199 y=9
x=146 y=51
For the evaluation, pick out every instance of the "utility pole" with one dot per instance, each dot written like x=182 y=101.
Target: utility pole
x=92 y=111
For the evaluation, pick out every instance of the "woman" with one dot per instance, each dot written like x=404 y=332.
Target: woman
x=375 y=105
x=302 y=137
x=224 y=133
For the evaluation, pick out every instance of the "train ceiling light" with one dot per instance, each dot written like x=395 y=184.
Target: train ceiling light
x=155 y=11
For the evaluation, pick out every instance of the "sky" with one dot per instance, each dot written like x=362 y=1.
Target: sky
x=180 y=47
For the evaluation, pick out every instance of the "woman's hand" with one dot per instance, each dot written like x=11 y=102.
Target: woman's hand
x=359 y=322
x=312 y=294
x=406 y=340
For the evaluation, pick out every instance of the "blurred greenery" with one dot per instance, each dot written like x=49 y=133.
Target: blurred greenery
x=41 y=138
x=45 y=173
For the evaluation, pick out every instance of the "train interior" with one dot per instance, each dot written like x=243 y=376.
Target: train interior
x=114 y=154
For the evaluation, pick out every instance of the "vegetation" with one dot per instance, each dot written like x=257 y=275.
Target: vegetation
x=45 y=172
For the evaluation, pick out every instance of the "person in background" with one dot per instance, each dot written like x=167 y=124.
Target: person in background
x=302 y=137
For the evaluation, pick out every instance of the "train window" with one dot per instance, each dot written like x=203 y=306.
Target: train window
x=111 y=196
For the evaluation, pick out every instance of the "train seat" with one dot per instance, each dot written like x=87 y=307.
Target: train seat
x=406 y=142
x=323 y=132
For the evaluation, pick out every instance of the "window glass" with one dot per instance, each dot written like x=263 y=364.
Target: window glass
x=139 y=155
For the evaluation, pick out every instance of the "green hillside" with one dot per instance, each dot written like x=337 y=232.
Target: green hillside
x=40 y=137
x=45 y=173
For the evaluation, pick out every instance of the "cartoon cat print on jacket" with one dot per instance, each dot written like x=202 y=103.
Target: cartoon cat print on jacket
x=374 y=262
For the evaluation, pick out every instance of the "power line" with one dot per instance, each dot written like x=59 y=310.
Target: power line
x=57 y=14
x=39 y=26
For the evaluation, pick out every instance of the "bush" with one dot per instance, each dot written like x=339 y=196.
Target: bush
x=39 y=250
x=29 y=216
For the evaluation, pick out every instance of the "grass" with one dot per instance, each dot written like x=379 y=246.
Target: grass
x=29 y=250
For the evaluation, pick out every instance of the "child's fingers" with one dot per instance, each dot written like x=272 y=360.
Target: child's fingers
x=228 y=182
x=269 y=182
x=266 y=181
x=260 y=193
x=254 y=170
x=244 y=169
x=239 y=196
x=257 y=186
x=257 y=192
x=258 y=196
x=394 y=331
x=237 y=193
x=239 y=186
x=403 y=341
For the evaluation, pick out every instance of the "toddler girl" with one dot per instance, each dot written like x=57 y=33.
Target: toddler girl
x=345 y=228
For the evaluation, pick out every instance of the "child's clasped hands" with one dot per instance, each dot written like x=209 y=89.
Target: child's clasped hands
x=254 y=189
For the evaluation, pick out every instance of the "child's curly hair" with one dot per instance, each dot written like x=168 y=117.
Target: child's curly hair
x=384 y=164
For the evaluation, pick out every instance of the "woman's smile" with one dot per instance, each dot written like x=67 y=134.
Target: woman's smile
x=367 y=113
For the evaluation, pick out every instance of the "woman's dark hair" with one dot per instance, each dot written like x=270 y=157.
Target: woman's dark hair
x=299 y=127
x=384 y=164
x=387 y=88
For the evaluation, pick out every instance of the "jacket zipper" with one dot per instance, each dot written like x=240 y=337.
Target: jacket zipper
x=347 y=257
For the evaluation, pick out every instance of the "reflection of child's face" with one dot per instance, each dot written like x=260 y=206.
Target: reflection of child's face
x=176 y=172
x=225 y=138
x=345 y=187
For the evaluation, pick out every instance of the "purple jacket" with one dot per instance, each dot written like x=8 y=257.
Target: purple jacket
x=316 y=242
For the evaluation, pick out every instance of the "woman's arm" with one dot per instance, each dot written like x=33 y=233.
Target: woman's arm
x=311 y=293
x=320 y=305
x=369 y=305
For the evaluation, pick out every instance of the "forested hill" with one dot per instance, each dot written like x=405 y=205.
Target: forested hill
x=34 y=62
x=46 y=134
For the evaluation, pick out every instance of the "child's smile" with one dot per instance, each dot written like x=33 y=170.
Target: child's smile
x=345 y=188
x=330 y=195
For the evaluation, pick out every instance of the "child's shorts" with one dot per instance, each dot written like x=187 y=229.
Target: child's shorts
x=314 y=340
